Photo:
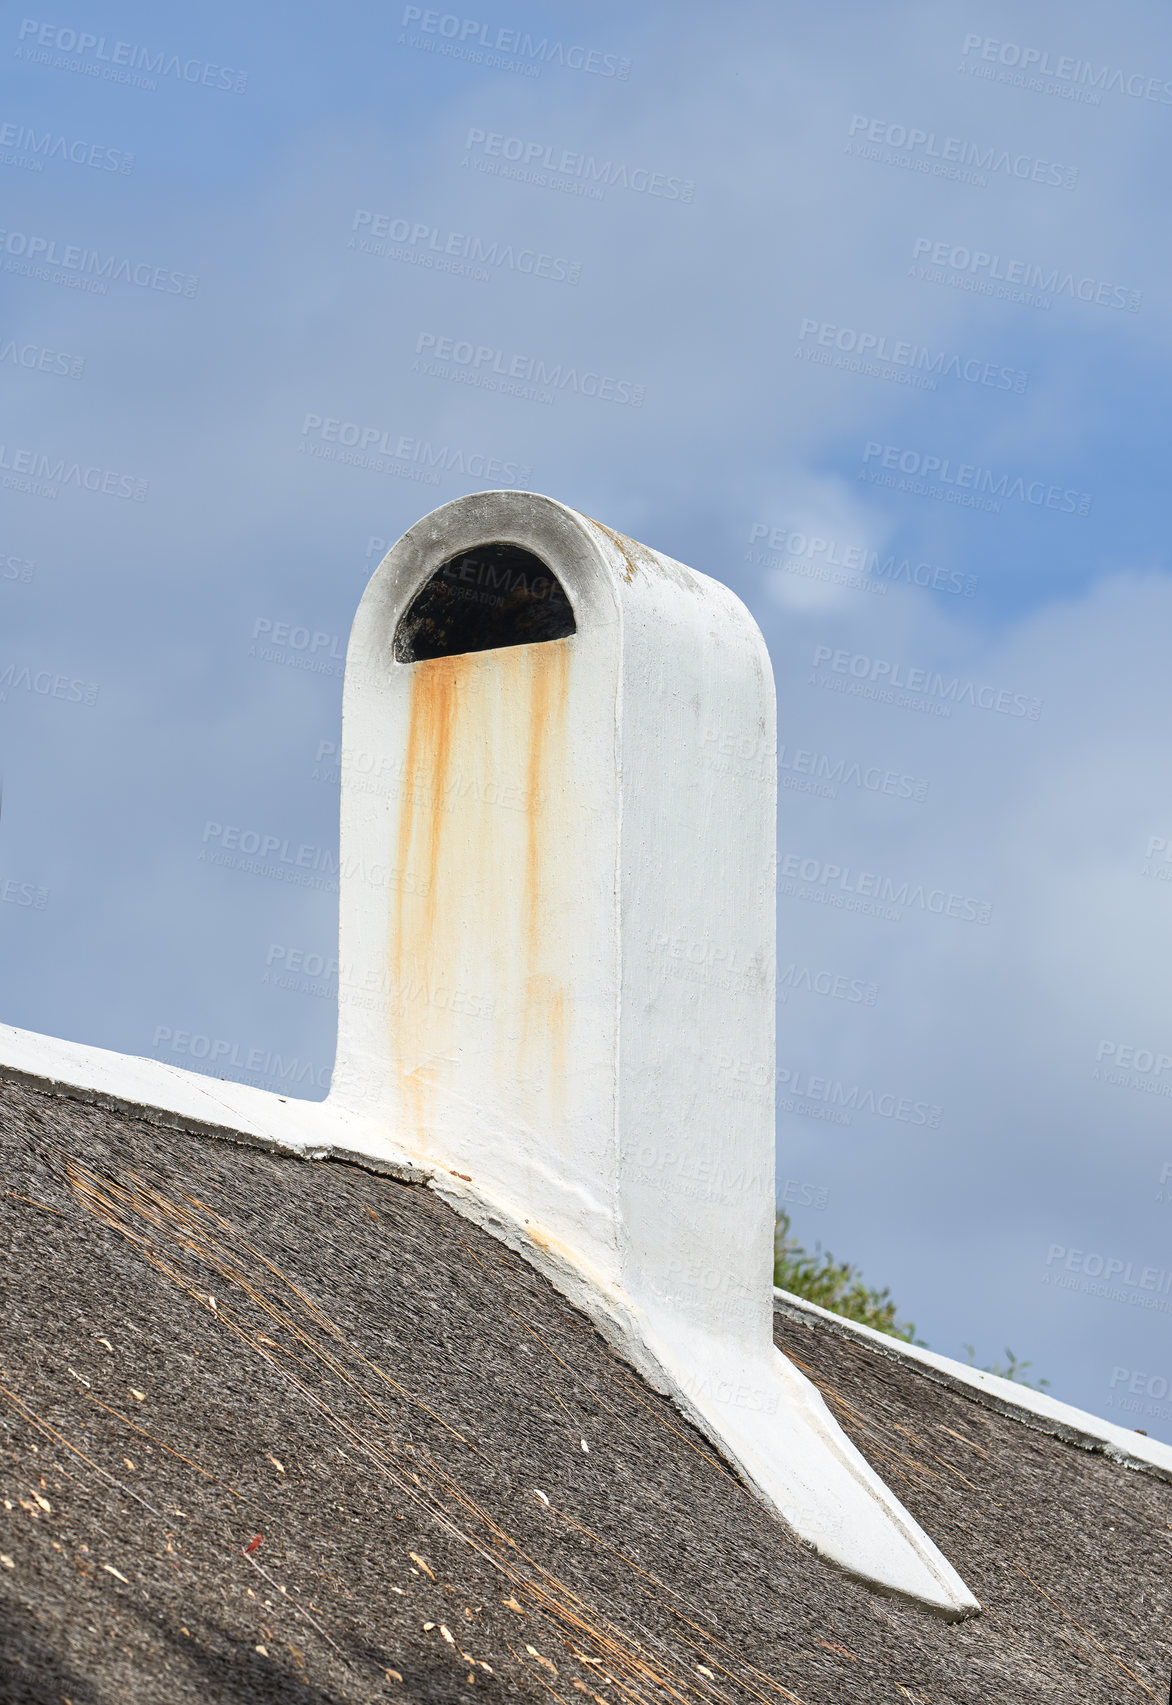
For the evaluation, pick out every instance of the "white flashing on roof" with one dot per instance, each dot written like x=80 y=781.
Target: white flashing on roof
x=193 y=1102
x=561 y=923
x=1009 y=1397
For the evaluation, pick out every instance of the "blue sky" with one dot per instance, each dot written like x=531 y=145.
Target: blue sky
x=819 y=253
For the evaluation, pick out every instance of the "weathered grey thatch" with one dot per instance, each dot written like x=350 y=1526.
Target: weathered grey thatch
x=382 y=1391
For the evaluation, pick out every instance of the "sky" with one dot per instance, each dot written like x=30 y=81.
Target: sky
x=863 y=311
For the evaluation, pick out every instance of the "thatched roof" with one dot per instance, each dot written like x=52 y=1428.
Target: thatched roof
x=462 y=1492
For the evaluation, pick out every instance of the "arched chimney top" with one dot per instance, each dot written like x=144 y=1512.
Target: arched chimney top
x=403 y=618
x=494 y=595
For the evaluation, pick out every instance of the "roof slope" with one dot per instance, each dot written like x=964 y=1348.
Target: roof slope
x=205 y=1342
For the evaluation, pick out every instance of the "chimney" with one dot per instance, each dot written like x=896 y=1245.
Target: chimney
x=557 y=918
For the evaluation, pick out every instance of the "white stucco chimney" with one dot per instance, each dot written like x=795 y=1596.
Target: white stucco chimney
x=557 y=918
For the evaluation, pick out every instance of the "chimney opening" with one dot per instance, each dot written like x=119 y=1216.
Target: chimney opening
x=481 y=600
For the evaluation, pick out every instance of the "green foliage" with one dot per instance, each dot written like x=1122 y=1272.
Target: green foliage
x=838 y=1286
x=1012 y=1370
x=832 y=1284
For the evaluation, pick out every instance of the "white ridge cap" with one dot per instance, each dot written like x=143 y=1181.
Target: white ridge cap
x=1021 y=1402
x=192 y=1102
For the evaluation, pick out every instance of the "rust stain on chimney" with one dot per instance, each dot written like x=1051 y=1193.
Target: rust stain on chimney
x=547 y=706
x=549 y=798
x=481 y=863
x=435 y=691
x=415 y=897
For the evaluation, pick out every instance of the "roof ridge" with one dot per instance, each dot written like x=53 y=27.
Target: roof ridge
x=1019 y=1402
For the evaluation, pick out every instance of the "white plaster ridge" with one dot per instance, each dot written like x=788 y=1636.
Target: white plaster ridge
x=190 y=1101
x=575 y=749
x=1009 y=1397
